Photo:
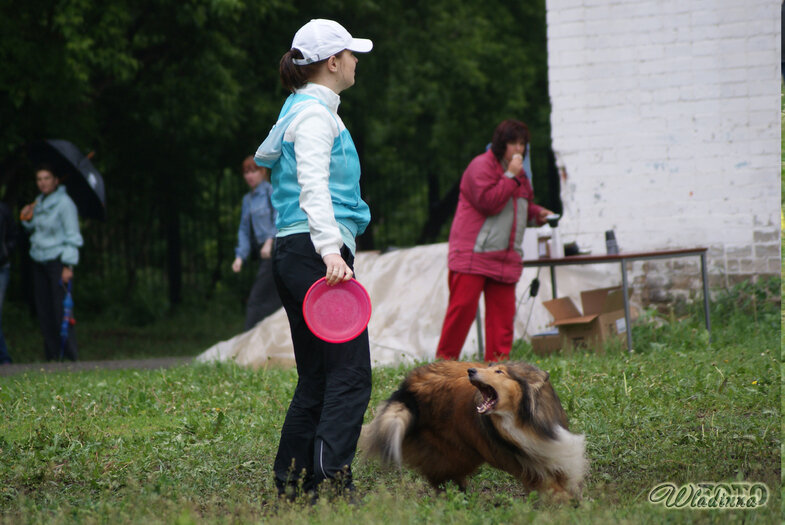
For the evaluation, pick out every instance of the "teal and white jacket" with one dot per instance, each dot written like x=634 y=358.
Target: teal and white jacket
x=55 y=227
x=315 y=171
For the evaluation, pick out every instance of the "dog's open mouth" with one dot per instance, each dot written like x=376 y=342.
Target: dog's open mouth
x=489 y=397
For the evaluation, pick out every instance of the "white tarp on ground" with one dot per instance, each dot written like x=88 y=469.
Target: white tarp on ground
x=408 y=290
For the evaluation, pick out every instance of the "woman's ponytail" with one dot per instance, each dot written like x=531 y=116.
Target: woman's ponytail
x=293 y=76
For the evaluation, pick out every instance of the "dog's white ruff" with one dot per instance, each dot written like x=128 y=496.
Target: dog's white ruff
x=564 y=454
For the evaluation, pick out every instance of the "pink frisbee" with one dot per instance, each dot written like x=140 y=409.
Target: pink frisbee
x=339 y=313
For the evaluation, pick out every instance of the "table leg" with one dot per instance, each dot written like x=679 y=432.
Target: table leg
x=480 y=342
x=553 y=281
x=625 y=291
x=705 y=278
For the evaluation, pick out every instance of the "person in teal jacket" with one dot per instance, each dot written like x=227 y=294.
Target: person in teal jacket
x=316 y=193
x=54 y=247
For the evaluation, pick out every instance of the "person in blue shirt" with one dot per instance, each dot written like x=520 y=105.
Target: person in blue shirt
x=54 y=247
x=255 y=236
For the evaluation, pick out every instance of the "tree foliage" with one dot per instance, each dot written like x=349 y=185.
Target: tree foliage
x=173 y=94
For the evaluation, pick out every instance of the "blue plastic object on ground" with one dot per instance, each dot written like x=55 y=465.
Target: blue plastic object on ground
x=68 y=318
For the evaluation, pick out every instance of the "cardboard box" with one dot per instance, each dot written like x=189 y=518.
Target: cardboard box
x=602 y=318
x=546 y=343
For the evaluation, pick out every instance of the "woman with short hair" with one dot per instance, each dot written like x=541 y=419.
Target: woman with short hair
x=495 y=204
x=255 y=238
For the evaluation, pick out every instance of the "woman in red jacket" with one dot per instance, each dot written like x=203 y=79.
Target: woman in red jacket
x=496 y=203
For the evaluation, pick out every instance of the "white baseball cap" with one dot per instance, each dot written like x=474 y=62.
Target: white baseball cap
x=319 y=39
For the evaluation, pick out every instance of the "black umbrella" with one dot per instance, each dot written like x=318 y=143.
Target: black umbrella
x=82 y=181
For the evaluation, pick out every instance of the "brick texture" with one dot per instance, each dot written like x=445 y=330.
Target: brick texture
x=665 y=122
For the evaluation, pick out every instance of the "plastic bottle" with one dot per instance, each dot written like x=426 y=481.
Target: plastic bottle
x=610 y=243
x=558 y=247
x=557 y=251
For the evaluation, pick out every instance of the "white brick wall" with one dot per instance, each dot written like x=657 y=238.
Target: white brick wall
x=666 y=121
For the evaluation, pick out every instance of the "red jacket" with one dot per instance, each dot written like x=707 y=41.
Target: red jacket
x=487 y=231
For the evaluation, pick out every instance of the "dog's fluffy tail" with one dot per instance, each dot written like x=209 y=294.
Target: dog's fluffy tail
x=383 y=437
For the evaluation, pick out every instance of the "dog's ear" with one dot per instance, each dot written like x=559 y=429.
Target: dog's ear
x=530 y=376
x=539 y=405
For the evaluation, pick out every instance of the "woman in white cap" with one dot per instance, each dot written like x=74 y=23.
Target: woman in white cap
x=316 y=193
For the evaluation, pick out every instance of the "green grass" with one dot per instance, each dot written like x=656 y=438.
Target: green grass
x=195 y=444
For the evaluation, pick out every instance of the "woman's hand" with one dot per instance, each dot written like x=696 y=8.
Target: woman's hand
x=516 y=164
x=27 y=212
x=541 y=219
x=267 y=249
x=337 y=269
x=237 y=265
x=67 y=274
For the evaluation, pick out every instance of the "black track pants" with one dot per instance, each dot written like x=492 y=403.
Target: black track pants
x=49 y=294
x=320 y=432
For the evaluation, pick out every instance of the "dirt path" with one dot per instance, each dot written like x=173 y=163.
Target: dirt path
x=68 y=366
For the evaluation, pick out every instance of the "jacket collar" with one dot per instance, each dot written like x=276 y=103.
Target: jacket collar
x=54 y=196
x=326 y=95
x=491 y=158
x=259 y=187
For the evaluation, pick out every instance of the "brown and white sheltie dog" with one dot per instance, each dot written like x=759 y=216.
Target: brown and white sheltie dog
x=449 y=417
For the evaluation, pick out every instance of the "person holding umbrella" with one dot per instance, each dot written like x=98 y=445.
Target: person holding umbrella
x=54 y=247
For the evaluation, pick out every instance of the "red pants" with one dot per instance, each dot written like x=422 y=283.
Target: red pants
x=465 y=290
